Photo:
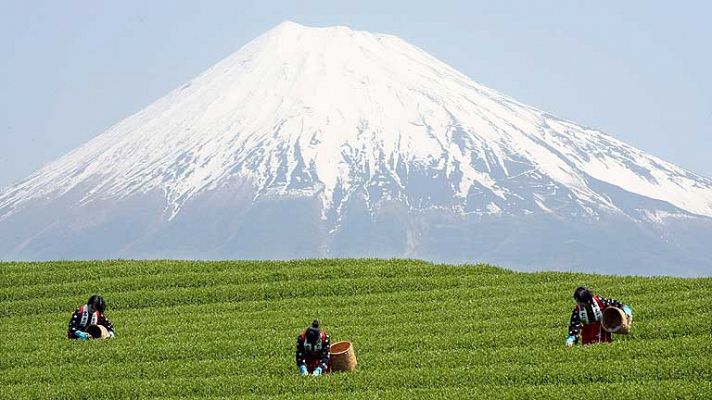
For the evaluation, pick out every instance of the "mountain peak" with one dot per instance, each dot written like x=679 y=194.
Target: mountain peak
x=291 y=27
x=288 y=26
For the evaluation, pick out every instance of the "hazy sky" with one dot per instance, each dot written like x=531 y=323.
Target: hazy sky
x=638 y=70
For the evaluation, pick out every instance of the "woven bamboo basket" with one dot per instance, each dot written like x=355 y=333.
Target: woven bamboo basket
x=343 y=357
x=98 y=331
x=616 y=321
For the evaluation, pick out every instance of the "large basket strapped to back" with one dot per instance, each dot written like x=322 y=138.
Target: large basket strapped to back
x=616 y=321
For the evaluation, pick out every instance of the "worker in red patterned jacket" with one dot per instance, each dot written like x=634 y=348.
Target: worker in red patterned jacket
x=89 y=314
x=313 y=351
x=587 y=317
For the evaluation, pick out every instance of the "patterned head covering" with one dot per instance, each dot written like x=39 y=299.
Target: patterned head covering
x=583 y=295
x=313 y=332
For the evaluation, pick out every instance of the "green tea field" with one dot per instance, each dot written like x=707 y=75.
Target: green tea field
x=227 y=330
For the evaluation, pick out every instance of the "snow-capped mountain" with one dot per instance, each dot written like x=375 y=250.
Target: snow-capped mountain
x=319 y=142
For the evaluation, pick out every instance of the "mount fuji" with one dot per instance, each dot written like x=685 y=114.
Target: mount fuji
x=330 y=142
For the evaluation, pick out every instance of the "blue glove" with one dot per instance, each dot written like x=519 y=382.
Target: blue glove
x=628 y=311
x=570 y=341
x=303 y=370
x=82 y=335
x=317 y=371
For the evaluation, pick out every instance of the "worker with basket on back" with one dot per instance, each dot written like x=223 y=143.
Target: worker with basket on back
x=589 y=320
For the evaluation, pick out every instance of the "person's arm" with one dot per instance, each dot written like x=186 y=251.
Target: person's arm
x=325 y=353
x=74 y=330
x=611 y=302
x=574 y=328
x=618 y=304
x=300 y=357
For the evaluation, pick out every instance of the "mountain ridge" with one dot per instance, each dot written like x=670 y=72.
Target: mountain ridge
x=347 y=117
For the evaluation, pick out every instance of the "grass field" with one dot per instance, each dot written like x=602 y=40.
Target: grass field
x=227 y=330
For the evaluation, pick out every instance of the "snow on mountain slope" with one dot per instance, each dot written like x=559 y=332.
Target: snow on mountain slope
x=328 y=142
x=330 y=110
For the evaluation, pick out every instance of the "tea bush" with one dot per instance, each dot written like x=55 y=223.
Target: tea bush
x=227 y=330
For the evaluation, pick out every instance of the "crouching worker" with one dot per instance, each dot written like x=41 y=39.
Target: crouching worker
x=313 y=351
x=587 y=317
x=86 y=317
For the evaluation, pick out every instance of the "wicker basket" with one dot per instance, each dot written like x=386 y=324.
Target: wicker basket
x=98 y=331
x=616 y=321
x=343 y=357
